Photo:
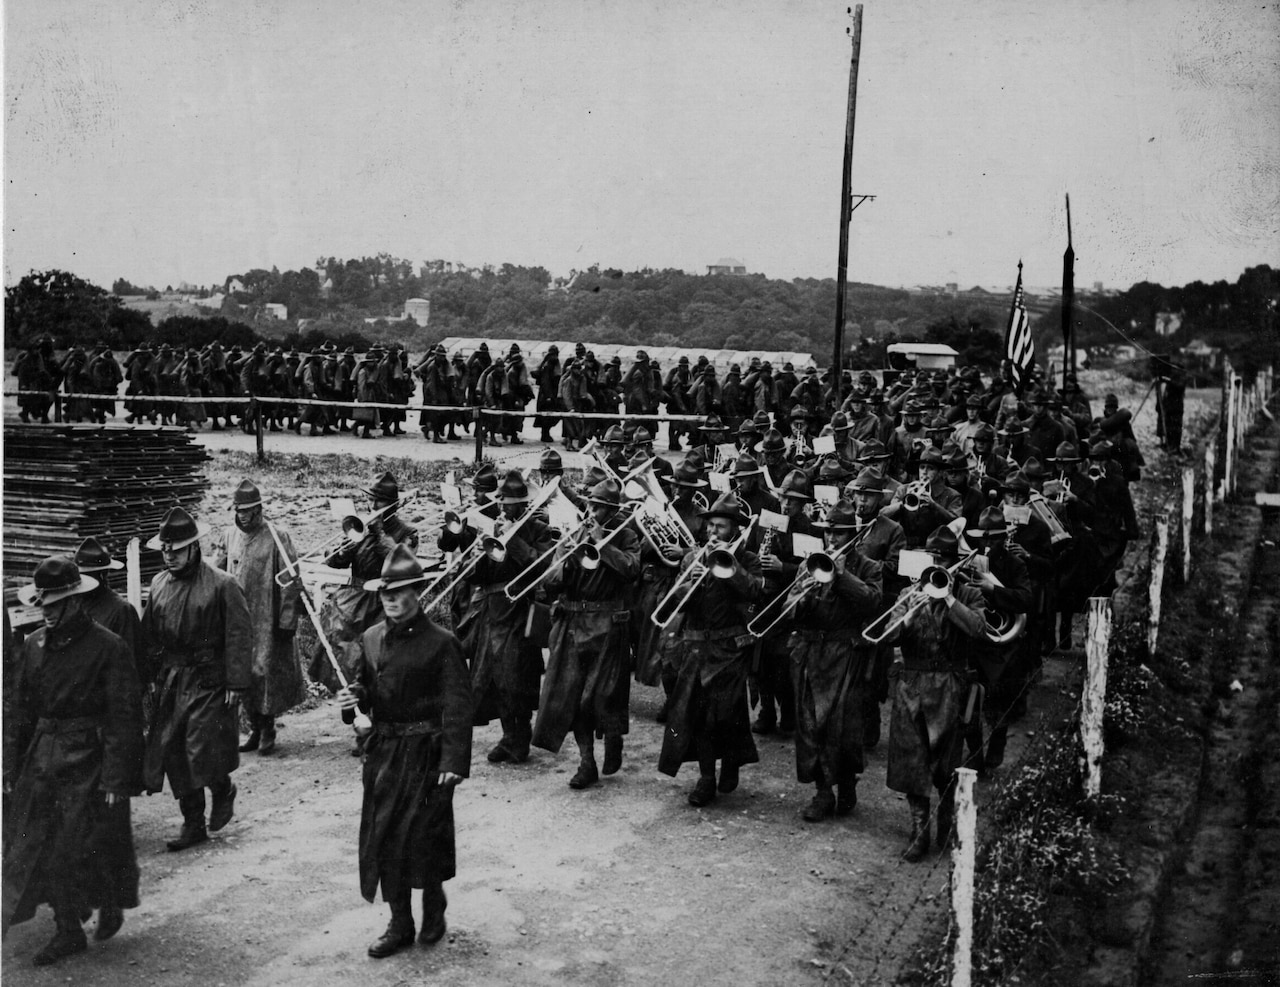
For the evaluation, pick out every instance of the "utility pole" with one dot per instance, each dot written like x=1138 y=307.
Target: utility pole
x=846 y=211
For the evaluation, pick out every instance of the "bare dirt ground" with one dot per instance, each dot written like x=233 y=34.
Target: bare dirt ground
x=621 y=884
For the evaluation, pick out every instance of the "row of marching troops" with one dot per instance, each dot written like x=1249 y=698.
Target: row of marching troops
x=815 y=578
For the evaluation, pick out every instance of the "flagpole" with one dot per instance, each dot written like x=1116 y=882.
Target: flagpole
x=846 y=211
x=1068 y=302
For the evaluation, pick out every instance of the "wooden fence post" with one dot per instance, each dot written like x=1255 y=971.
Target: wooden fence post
x=962 y=859
x=477 y=426
x=1159 y=549
x=1228 y=451
x=1097 y=646
x=133 y=574
x=257 y=432
x=1210 y=486
x=1188 y=516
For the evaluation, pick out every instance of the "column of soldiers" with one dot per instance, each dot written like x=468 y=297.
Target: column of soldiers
x=758 y=572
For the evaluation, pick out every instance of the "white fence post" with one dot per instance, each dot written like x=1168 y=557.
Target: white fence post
x=1159 y=549
x=133 y=574
x=1210 y=463
x=1188 y=516
x=1096 y=646
x=962 y=868
x=1228 y=452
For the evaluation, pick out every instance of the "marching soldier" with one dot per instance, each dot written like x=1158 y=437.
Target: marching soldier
x=830 y=664
x=199 y=638
x=926 y=736
x=587 y=685
x=412 y=681
x=254 y=552
x=104 y=604
x=708 y=718
x=506 y=664
x=72 y=754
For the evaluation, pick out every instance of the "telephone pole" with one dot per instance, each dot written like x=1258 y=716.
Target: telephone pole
x=846 y=210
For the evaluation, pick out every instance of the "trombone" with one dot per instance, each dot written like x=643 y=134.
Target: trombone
x=575 y=544
x=353 y=523
x=934 y=584
x=716 y=559
x=818 y=571
x=487 y=546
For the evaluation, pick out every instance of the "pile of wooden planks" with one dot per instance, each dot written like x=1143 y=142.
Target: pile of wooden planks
x=63 y=483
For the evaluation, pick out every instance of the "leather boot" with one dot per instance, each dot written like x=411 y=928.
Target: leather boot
x=193 y=829
x=767 y=722
x=68 y=940
x=255 y=734
x=399 y=930
x=521 y=736
x=110 y=918
x=612 y=754
x=919 y=845
x=847 y=799
x=268 y=735
x=946 y=816
x=822 y=805
x=995 y=747
x=433 y=906
x=586 y=776
x=224 y=804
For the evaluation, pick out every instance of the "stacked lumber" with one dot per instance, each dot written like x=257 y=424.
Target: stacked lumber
x=63 y=483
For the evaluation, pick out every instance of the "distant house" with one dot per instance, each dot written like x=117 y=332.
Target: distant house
x=727 y=265
x=418 y=309
x=276 y=310
x=234 y=285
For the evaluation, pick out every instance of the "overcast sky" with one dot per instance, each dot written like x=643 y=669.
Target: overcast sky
x=170 y=141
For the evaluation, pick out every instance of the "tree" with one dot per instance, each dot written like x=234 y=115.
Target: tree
x=67 y=308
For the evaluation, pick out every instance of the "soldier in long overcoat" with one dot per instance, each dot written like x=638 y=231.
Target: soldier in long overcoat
x=587 y=686
x=104 y=604
x=413 y=682
x=506 y=665
x=830 y=664
x=707 y=717
x=930 y=692
x=199 y=640
x=255 y=551
x=72 y=753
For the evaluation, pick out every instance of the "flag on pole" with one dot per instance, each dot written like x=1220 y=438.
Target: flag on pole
x=1068 y=302
x=1018 y=349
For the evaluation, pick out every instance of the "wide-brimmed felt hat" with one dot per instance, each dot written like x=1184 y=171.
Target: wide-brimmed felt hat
x=685 y=475
x=832 y=471
x=746 y=465
x=550 y=462
x=1065 y=453
x=400 y=568
x=773 y=442
x=513 y=490
x=870 y=480
x=1013 y=428
x=955 y=459
x=872 y=449
x=614 y=435
x=91 y=556
x=973 y=401
x=607 y=492
x=54 y=579
x=384 y=488
x=984 y=433
x=728 y=506
x=485 y=479
x=696 y=459
x=748 y=429
x=799 y=412
x=991 y=524
x=943 y=543
x=246 y=495
x=933 y=457
x=1034 y=470
x=178 y=529
x=1101 y=449
x=1016 y=482
x=712 y=423
x=840 y=516
x=642 y=436
x=840 y=422
x=796 y=484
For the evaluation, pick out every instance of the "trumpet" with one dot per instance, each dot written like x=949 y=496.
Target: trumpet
x=818 y=571
x=934 y=584
x=714 y=560
x=1064 y=488
x=911 y=498
x=1097 y=471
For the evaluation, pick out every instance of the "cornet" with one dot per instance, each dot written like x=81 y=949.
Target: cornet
x=1097 y=471
x=912 y=497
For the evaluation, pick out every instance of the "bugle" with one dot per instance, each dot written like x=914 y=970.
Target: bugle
x=934 y=584
x=712 y=559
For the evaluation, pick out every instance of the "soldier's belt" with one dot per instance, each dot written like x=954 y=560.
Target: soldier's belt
x=838 y=634
x=938 y=665
x=409 y=728
x=714 y=633
x=176 y=659
x=67 y=724
x=590 y=606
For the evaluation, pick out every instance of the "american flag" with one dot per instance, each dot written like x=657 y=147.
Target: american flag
x=1017 y=337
